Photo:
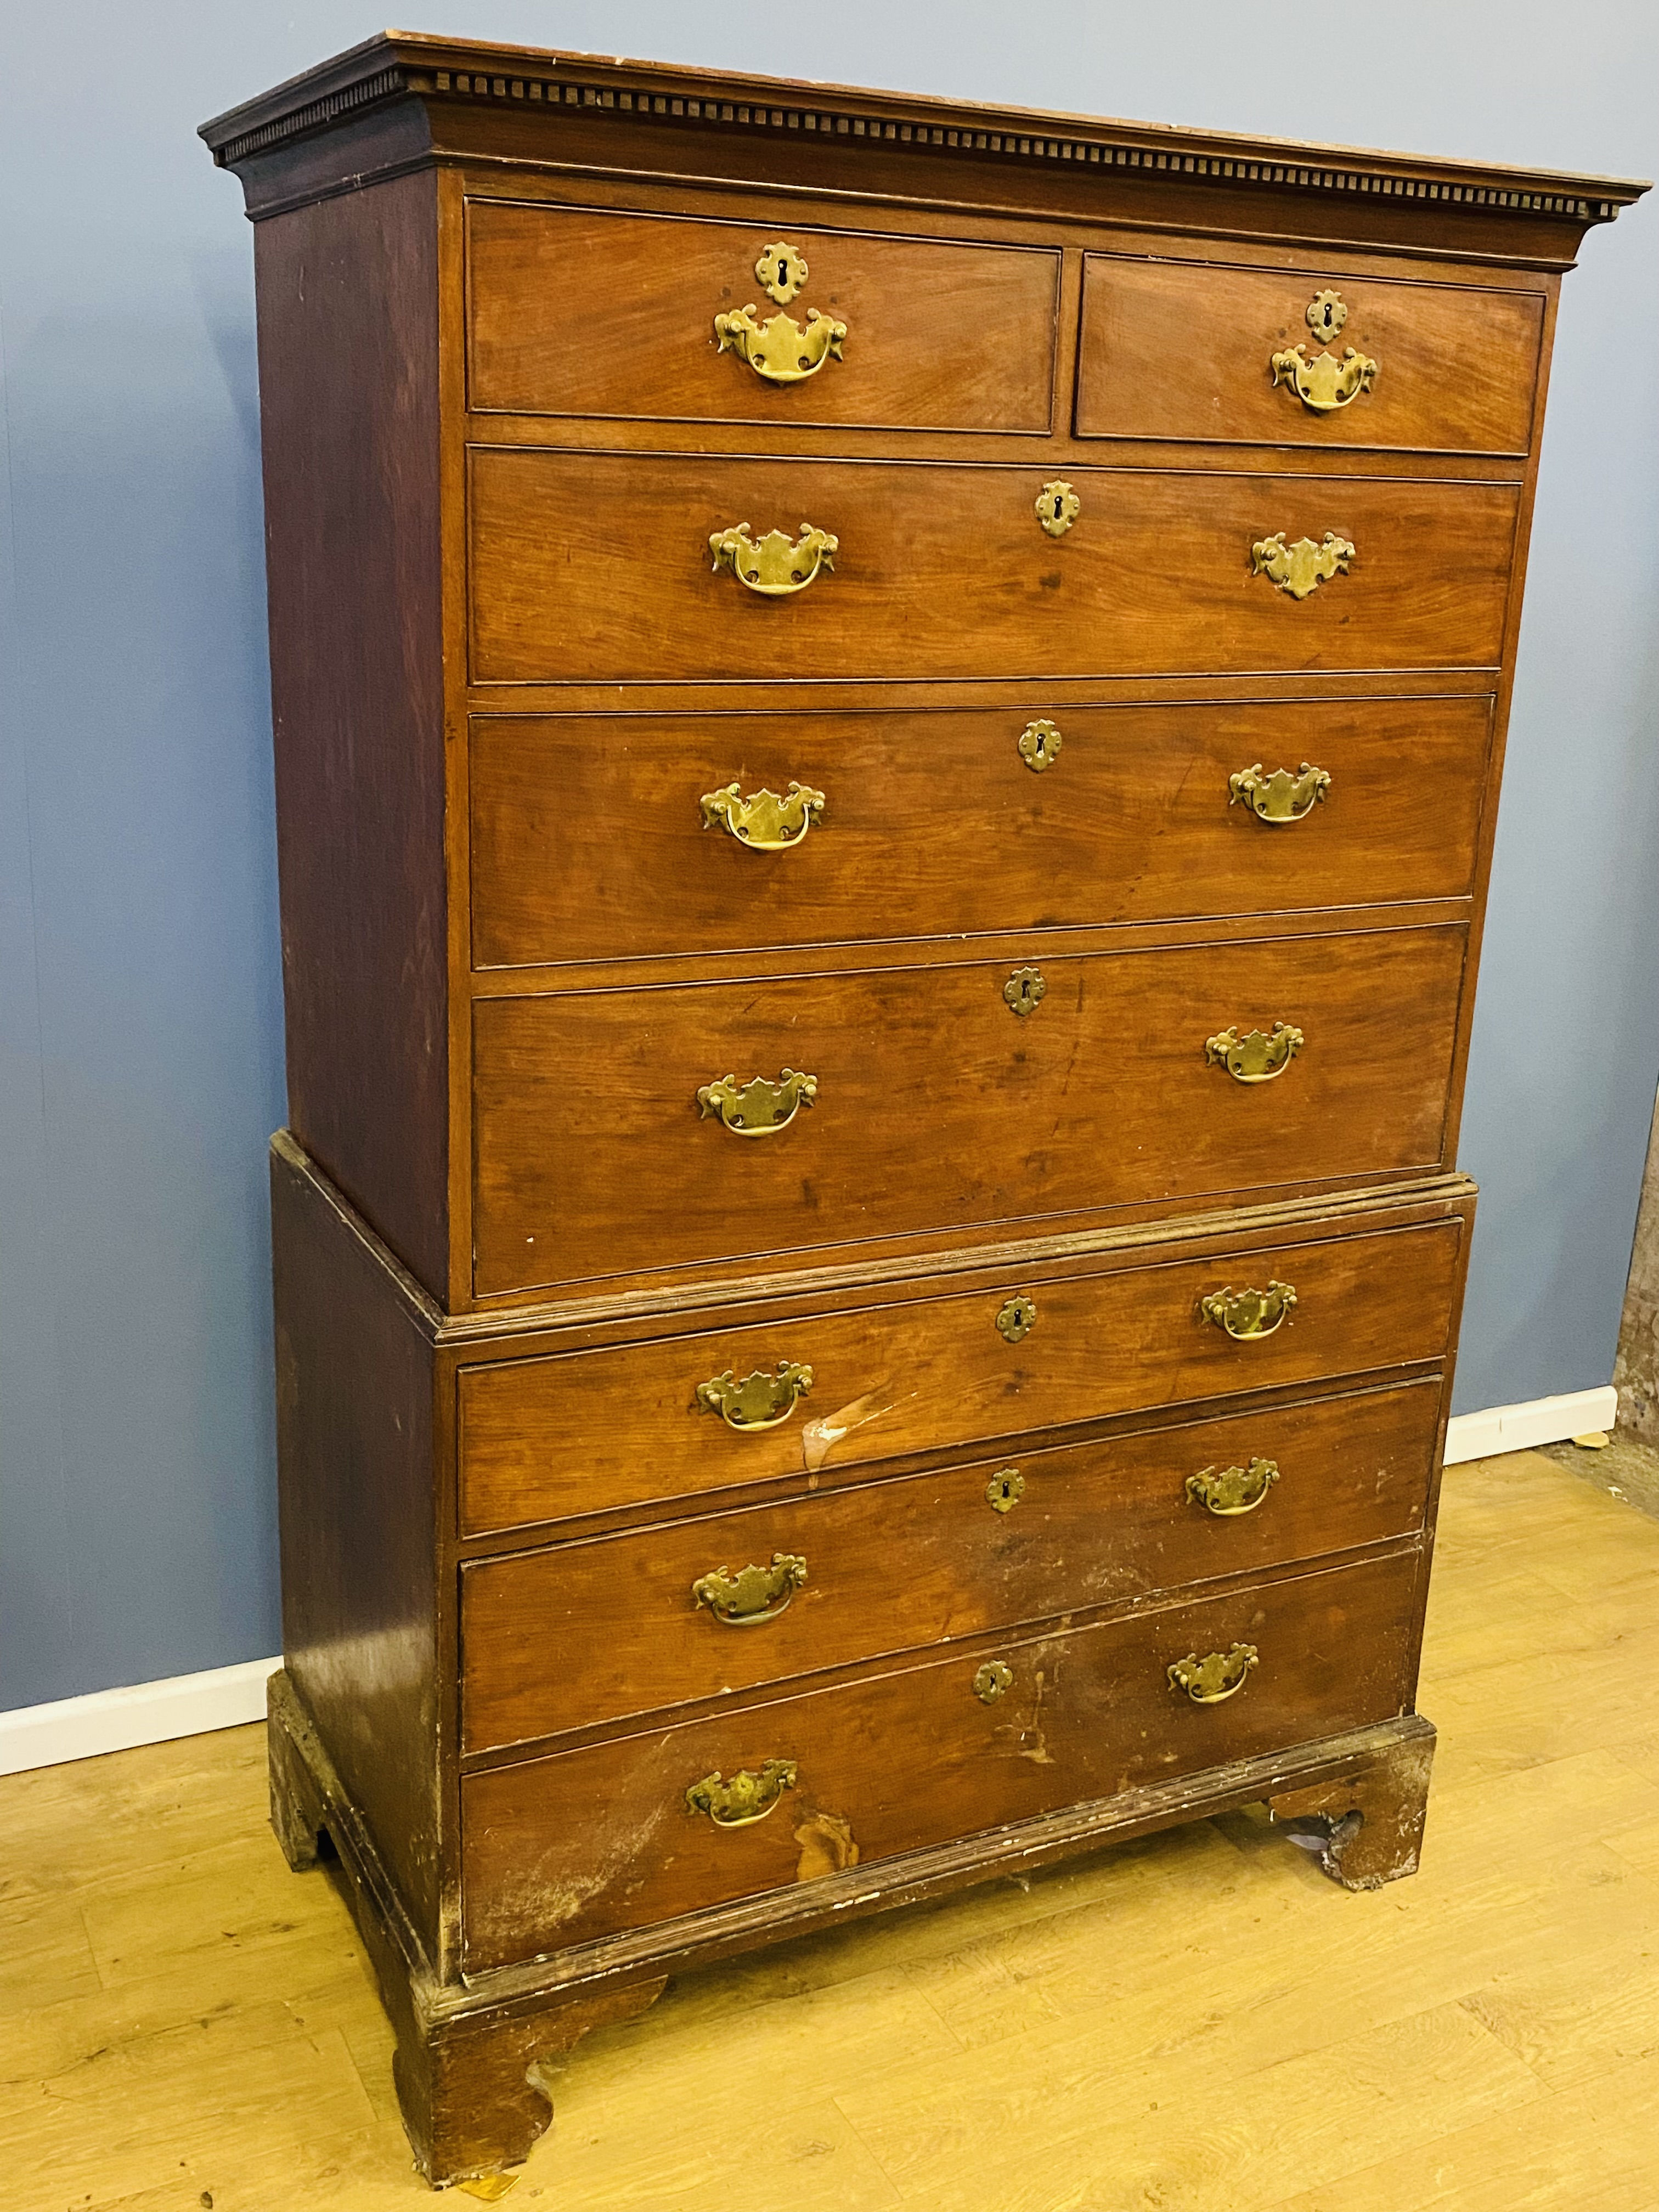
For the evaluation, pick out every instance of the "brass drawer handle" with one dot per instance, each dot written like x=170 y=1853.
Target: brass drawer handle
x=1216 y=1677
x=1324 y=384
x=1278 y=797
x=759 y=1108
x=779 y=349
x=1247 y=1314
x=1255 y=1058
x=773 y=566
x=764 y=821
x=753 y=1595
x=1230 y=1490
x=746 y=1798
x=760 y=1401
x=1303 y=567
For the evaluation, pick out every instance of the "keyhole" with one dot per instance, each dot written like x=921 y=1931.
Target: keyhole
x=783 y=274
x=1057 y=507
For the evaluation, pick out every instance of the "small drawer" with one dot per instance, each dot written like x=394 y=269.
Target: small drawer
x=903 y=1101
x=553 y=1437
x=1221 y=355
x=596 y=839
x=591 y=1633
x=582 y=1844
x=941 y=572
x=585 y=311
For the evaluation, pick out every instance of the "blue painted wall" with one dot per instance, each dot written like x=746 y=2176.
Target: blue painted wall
x=140 y=1037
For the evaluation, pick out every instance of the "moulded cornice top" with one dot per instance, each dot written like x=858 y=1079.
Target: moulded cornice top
x=400 y=64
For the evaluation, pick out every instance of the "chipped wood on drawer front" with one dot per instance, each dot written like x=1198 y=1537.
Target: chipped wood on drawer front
x=577 y=1845
x=546 y=1438
x=897 y=1565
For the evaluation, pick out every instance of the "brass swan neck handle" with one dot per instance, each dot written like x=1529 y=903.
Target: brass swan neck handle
x=759 y=1108
x=774 y=566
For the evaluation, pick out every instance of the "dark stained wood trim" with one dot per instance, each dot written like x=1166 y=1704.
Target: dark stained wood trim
x=400 y=65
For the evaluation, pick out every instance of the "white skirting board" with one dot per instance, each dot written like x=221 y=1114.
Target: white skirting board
x=148 y=1712
x=1521 y=1428
x=191 y=1704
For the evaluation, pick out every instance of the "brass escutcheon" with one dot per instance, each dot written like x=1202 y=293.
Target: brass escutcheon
x=1228 y=1491
x=1246 y=1314
x=1216 y=1677
x=773 y=566
x=780 y=271
x=1016 y=1319
x=1302 y=568
x=993 y=1678
x=1058 y=507
x=1024 y=991
x=765 y=822
x=759 y=1108
x=1257 y=1057
x=760 y=1401
x=1005 y=1490
x=1039 y=745
x=746 y=1798
x=1324 y=314
x=753 y=1595
x=1280 y=797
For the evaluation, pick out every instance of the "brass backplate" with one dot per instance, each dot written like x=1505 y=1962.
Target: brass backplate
x=1302 y=568
x=1058 y=507
x=994 y=1681
x=1016 y=1319
x=746 y=1798
x=1260 y=1056
x=1248 y=1313
x=1005 y=1490
x=1277 y=797
x=765 y=821
x=1216 y=1677
x=1039 y=745
x=761 y=1106
x=1024 y=991
x=753 y=1595
x=1228 y=1491
x=760 y=1401
x=774 y=566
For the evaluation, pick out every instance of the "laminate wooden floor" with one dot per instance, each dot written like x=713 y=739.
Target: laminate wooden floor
x=1197 y=2023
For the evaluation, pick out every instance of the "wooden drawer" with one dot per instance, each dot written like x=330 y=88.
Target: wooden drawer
x=897 y=1565
x=590 y=842
x=551 y=1438
x=1185 y=349
x=943 y=573
x=586 y=311
x=581 y=1844
x=937 y=1106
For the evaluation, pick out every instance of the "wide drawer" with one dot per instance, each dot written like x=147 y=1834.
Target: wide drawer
x=1185 y=351
x=561 y=1435
x=593 y=839
x=580 y=1844
x=665 y=1615
x=603 y=1145
x=596 y=567
x=585 y=311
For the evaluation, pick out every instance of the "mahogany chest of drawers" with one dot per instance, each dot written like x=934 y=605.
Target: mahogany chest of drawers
x=888 y=721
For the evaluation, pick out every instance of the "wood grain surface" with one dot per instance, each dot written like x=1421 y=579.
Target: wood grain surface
x=937 y=1106
x=894 y=1566
x=1183 y=350
x=349 y=398
x=595 y=567
x=588 y=838
x=939 y=336
x=579 y=1845
x=543 y=1439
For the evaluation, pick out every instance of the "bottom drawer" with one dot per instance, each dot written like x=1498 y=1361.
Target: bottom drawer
x=566 y=1848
